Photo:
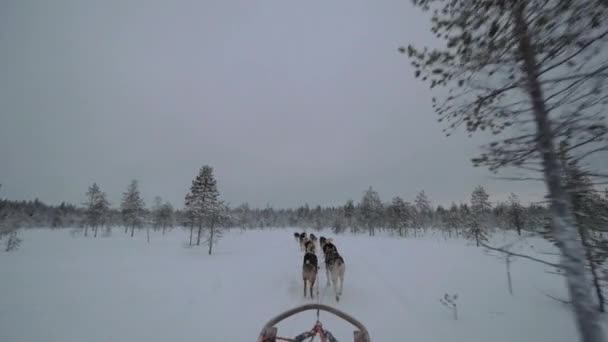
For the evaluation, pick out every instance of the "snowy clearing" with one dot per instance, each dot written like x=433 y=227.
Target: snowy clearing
x=64 y=287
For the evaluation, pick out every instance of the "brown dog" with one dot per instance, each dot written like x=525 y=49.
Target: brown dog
x=309 y=247
x=303 y=239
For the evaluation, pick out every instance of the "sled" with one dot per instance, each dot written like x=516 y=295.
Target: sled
x=269 y=332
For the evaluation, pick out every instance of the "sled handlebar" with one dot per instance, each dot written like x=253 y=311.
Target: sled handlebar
x=269 y=331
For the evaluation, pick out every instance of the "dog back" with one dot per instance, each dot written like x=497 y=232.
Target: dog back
x=309 y=246
x=333 y=258
x=310 y=263
x=328 y=247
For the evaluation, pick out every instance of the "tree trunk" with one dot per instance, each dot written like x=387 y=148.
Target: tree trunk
x=598 y=286
x=126 y=229
x=509 y=282
x=211 y=239
x=477 y=237
x=95 y=231
x=573 y=258
x=593 y=268
x=200 y=230
x=191 y=232
x=132 y=230
x=86 y=229
x=148 y=233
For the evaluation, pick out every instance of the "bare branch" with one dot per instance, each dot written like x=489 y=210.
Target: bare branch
x=520 y=255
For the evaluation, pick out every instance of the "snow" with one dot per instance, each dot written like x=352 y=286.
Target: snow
x=64 y=287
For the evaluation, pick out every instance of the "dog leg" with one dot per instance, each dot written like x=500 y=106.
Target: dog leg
x=342 y=269
x=334 y=279
x=304 y=287
x=312 y=285
x=327 y=275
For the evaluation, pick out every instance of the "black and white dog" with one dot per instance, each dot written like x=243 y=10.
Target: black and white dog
x=334 y=268
x=310 y=266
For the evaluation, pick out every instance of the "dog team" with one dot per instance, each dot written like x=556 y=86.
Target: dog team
x=334 y=263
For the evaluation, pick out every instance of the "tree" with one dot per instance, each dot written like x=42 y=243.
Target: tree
x=453 y=219
x=190 y=212
x=370 y=210
x=587 y=206
x=132 y=207
x=349 y=214
x=423 y=209
x=9 y=226
x=480 y=207
x=166 y=216
x=162 y=214
x=156 y=207
x=549 y=52
x=398 y=215
x=205 y=207
x=97 y=208
x=516 y=213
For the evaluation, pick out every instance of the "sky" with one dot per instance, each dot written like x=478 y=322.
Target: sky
x=291 y=102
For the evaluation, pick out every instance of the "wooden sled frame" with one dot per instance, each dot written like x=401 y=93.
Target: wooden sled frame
x=269 y=331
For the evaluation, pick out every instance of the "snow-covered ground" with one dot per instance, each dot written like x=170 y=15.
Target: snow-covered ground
x=60 y=287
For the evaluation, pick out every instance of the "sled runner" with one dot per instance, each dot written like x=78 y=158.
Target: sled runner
x=269 y=331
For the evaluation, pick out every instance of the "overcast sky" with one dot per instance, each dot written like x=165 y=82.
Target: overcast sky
x=290 y=102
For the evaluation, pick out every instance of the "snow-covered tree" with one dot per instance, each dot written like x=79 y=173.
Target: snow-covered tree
x=424 y=210
x=132 y=207
x=478 y=223
x=97 y=208
x=205 y=206
x=370 y=210
x=398 y=215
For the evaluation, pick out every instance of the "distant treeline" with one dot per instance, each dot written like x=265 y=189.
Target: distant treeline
x=369 y=214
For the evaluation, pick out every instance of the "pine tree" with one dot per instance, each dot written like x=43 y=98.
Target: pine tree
x=205 y=207
x=480 y=207
x=453 y=219
x=423 y=209
x=370 y=210
x=552 y=53
x=162 y=214
x=349 y=215
x=132 y=207
x=97 y=208
x=398 y=215
x=156 y=211
x=516 y=213
x=166 y=216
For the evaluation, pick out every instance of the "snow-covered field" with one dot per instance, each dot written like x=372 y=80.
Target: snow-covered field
x=60 y=287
